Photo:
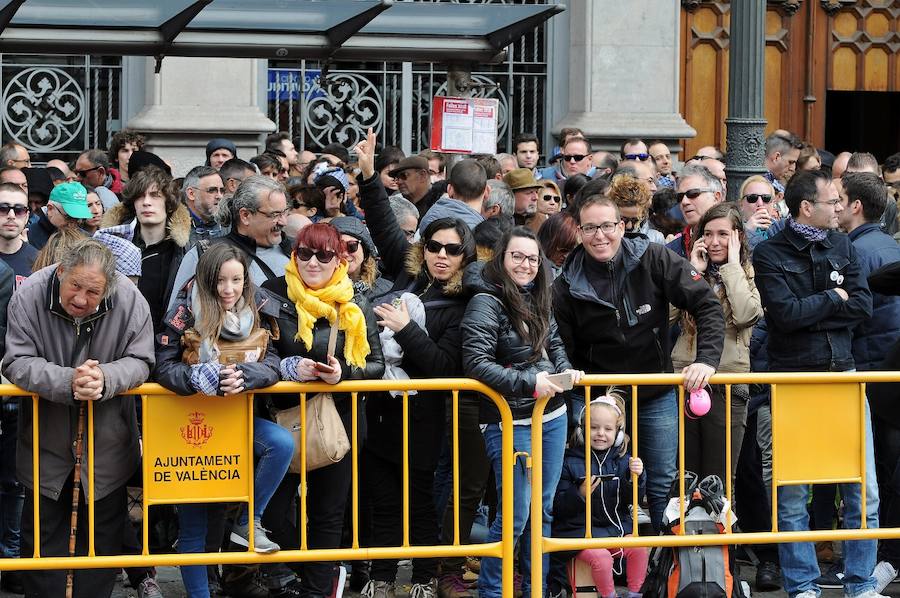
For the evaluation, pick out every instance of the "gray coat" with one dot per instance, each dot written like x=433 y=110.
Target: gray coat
x=40 y=340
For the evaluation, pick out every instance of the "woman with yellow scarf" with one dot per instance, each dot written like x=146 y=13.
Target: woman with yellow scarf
x=316 y=293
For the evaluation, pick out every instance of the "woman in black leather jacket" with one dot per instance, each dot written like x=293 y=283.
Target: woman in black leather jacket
x=314 y=294
x=510 y=342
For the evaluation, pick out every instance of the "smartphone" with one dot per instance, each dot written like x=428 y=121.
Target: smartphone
x=606 y=477
x=323 y=367
x=564 y=380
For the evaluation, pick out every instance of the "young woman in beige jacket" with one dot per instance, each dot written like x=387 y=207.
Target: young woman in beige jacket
x=720 y=254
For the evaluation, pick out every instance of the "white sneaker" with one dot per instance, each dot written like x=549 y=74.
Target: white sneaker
x=884 y=574
x=807 y=594
x=424 y=590
x=866 y=594
x=643 y=517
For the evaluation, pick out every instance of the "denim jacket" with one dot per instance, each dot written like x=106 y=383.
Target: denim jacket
x=809 y=324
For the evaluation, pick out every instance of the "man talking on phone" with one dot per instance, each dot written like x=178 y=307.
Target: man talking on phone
x=611 y=304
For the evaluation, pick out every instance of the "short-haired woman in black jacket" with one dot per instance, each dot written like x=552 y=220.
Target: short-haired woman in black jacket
x=510 y=342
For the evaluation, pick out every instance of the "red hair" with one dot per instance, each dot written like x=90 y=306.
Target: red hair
x=320 y=236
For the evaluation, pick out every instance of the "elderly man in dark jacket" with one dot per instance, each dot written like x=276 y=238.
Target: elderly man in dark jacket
x=611 y=303
x=82 y=332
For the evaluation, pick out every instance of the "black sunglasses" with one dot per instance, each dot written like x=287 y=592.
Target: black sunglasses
x=17 y=209
x=304 y=254
x=639 y=157
x=83 y=173
x=754 y=197
x=691 y=193
x=453 y=249
x=573 y=157
x=552 y=198
x=352 y=246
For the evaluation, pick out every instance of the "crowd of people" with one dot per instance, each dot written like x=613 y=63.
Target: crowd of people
x=331 y=266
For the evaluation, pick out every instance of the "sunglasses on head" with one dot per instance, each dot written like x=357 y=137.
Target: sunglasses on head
x=304 y=254
x=639 y=157
x=754 y=197
x=691 y=193
x=453 y=249
x=17 y=209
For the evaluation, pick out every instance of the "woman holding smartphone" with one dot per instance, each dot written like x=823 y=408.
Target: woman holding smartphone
x=315 y=295
x=511 y=343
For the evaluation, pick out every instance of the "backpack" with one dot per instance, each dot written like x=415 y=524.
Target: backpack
x=695 y=571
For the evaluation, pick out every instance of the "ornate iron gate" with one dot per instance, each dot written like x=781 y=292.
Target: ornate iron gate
x=355 y=97
x=57 y=106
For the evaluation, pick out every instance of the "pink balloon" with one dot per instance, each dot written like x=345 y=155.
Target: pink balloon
x=698 y=404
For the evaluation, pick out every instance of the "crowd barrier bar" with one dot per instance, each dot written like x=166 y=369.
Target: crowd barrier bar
x=855 y=408
x=147 y=392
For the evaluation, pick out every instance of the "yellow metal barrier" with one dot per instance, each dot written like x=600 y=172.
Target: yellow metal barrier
x=196 y=420
x=801 y=454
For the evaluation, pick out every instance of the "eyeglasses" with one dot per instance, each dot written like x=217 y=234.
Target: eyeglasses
x=323 y=256
x=631 y=222
x=692 y=193
x=17 y=209
x=589 y=230
x=299 y=204
x=352 y=246
x=552 y=198
x=573 y=157
x=211 y=190
x=83 y=173
x=274 y=215
x=518 y=257
x=409 y=233
x=755 y=197
x=639 y=157
x=453 y=249
x=831 y=202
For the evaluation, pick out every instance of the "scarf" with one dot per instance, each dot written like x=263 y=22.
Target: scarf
x=313 y=304
x=237 y=324
x=810 y=233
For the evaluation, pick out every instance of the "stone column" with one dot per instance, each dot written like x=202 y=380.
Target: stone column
x=746 y=123
x=623 y=71
x=192 y=100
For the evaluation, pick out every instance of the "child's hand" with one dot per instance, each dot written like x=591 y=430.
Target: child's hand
x=635 y=466
x=589 y=485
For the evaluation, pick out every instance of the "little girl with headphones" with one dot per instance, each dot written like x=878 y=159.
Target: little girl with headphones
x=609 y=484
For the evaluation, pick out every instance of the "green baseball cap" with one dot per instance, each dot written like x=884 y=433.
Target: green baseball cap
x=73 y=199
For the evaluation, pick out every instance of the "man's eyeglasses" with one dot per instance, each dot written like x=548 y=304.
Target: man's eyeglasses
x=211 y=190
x=755 y=197
x=274 y=215
x=631 y=222
x=691 y=193
x=323 y=256
x=518 y=257
x=589 y=230
x=642 y=157
x=573 y=157
x=18 y=210
x=831 y=202
x=83 y=173
x=552 y=198
x=454 y=249
x=409 y=233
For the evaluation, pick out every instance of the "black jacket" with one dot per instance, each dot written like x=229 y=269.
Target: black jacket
x=494 y=353
x=626 y=329
x=430 y=353
x=809 y=324
x=611 y=501
x=174 y=375
x=287 y=345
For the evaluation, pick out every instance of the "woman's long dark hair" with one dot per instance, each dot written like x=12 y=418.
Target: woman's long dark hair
x=528 y=311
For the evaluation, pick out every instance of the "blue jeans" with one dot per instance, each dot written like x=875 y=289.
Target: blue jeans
x=658 y=448
x=273 y=448
x=554 y=445
x=798 y=559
